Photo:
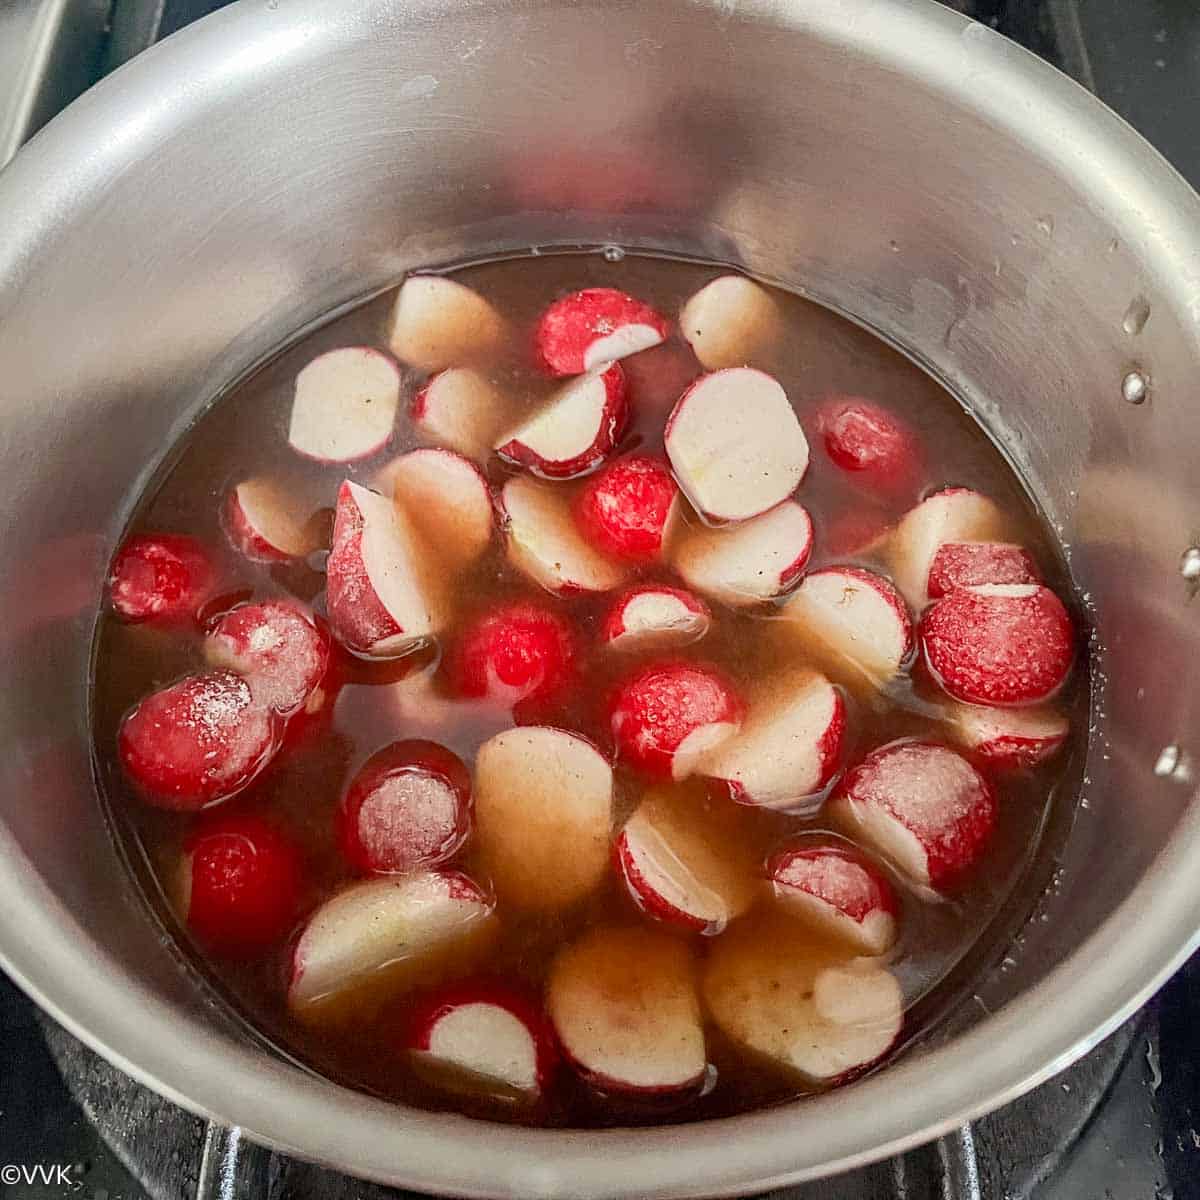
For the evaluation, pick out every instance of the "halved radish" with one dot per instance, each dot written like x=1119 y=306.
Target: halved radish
x=576 y=431
x=593 y=328
x=544 y=542
x=378 y=932
x=921 y=806
x=735 y=444
x=266 y=524
x=837 y=890
x=668 y=717
x=729 y=321
x=1009 y=739
x=871 y=443
x=437 y=322
x=543 y=810
x=625 y=507
x=624 y=1006
x=749 y=563
x=345 y=405
x=967 y=564
x=408 y=806
x=162 y=577
x=653 y=615
x=683 y=863
x=999 y=643
x=789 y=746
x=774 y=990
x=461 y=410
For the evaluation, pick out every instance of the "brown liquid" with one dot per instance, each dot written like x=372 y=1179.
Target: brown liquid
x=245 y=434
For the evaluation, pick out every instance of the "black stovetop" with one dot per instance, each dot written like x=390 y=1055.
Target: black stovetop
x=1122 y=1124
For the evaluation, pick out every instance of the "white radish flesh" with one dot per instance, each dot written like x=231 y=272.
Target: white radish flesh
x=729 y=322
x=345 y=405
x=437 y=322
x=460 y=410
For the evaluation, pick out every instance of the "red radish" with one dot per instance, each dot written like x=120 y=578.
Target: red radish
x=481 y=1035
x=624 y=1006
x=789 y=746
x=345 y=405
x=593 y=328
x=243 y=884
x=775 y=991
x=198 y=741
x=161 y=577
x=729 y=322
x=543 y=811
x=735 y=444
x=378 y=927
x=576 y=431
x=624 y=508
x=838 y=891
x=438 y=322
x=658 y=377
x=461 y=410
x=999 y=643
x=1008 y=739
x=544 y=542
x=408 y=806
x=265 y=524
x=653 y=615
x=967 y=564
x=855 y=532
x=276 y=646
x=921 y=806
x=871 y=443
x=683 y=864
x=380 y=598
x=667 y=717
x=749 y=563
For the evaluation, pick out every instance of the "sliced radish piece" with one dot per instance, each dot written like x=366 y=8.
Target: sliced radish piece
x=729 y=322
x=544 y=542
x=345 y=405
x=735 y=444
x=161 y=577
x=593 y=328
x=668 y=717
x=999 y=643
x=871 y=443
x=543 y=810
x=460 y=410
x=576 y=431
x=921 y=806
x=624 y=1006
x=437 y=322
x=379 y=926
x=967 y=564
x=855 y=532
x=837 y=891
x=625 y=507
x=654 y=616
x=266 y=524
x=749 y=563
x=789 y=746
x=1008 y=739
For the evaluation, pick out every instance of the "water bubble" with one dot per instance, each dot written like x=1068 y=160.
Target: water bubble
x=613 y=254
x=1136 y=316
x=1135 y=387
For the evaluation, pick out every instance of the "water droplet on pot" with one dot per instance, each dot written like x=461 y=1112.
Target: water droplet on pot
x=1135 y=387
x=1136 y=316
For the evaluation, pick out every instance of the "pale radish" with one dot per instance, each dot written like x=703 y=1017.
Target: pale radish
x=345 y=403
x=593 y=328
x=654 y=616
x=267 y=524
x=730 y=322
x=437 y=322
x=461 y=410
x=1009 y=738
x=967 y=564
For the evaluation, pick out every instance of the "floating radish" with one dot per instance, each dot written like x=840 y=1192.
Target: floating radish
x=654 y=616
x=921 y=806
x=576 y=431
x=461 y=411
x=1008 y=739
x=624 y=508
x=729 y=322
x=345 y=405
x=543 y=811
x=967 y=564
x=438 y=323
x=593 y=328
x=999 y=643
x=855 y=532
x=749 y=563
x=266 y=524
x=624 y=1006
x=160 y=577
x=871 y=443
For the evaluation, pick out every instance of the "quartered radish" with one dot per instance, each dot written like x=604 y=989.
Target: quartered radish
x=460 y=410
x=729 y=322
x=345 y=405
x=871 y=443
x=735 y=444
x=1009 y=738
x=160 y=577
x=593 y=328
x=543 y=811
x=437 y=322
x=654 y=616
x=624 y=1006
x=266 y=523
x=624 y=509
x=967 y=564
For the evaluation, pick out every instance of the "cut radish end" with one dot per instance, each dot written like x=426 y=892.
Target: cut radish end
x=576 y=431
x=682 y=863
x=668 y=717
x=968 y=564
x=922 y=807
x=624 y=1006
x=378 y=931
x=871 y=443
x=461 y=411
x=654 y=616
x=748 y=563
x=409 y=806
x=277 y=647
x=345 y=405
x=624 y=509
x=198 y=741
x=773 y=990
x=544 y=542
x=837 y=891
x=999 y=644
x=789 y=747
x=593 y=328
x=161 y=577
x=1007 y=739
x=543 y=811
x=437 y=322
x=735 y=444
x=265 y=524
x=729 y=322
